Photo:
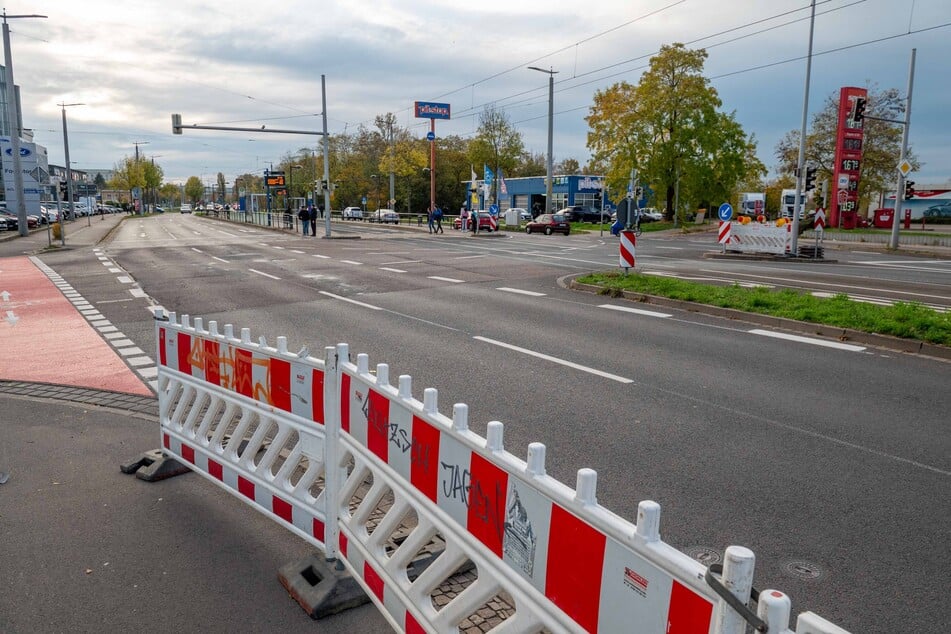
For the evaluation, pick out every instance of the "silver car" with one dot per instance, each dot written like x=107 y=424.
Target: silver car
x=384 y=216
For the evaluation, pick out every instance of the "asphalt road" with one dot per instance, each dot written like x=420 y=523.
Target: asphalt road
x=832 y=464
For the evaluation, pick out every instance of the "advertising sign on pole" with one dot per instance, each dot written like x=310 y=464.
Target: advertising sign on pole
x=848 y=154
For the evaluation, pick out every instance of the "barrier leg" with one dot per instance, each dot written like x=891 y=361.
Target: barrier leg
x=738 y=579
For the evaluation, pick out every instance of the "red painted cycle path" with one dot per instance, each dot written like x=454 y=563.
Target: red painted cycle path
x=44 y=339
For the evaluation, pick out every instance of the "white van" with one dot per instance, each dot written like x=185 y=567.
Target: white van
x=352 y=213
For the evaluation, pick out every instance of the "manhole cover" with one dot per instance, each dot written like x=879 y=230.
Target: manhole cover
x=704 y=554
x=803 y=570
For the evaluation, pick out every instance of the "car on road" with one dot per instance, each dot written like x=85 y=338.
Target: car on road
x=186 y=208
x=549 y=224
x=485 y=222
x=650 y=214
x=352 y=213
x=942 y=210
x=582 y=213
x=385 y=216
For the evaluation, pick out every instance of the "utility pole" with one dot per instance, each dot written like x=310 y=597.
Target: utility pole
x=136 y=144
x=551 y=129
x=900 y=191
x=801 y=162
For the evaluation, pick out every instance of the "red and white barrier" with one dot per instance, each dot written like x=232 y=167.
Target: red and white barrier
x=756 y=238
x=724 y=232
x=627 y=247
x=362 y=469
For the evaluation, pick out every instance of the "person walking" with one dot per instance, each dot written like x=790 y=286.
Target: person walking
x=302 y=215
x=312 y=215
x=431 y=220
x=437 y=216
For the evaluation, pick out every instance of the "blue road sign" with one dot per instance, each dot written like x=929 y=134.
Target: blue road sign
x=493 y=210
x=725 y=212
x=430 y=136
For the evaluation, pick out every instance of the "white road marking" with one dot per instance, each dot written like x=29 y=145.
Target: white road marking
x=352 y=262
x=125 y=279
x=322 y=257
x=671 y=248
x=197 y=250
x=148 y=373
x=815 y=342
x=386 y=268
x=115 y=301
x=402 y=262
x=520 y=291
x=128 y=352
x=138 y=293
x=215 y=257
x=445 y=279
x=470 y=257
x=296 y=251
x=636 y=311
x=277 y=247
x=273 y=277
x=351 y=301
x=113 y=269
x=569 y=364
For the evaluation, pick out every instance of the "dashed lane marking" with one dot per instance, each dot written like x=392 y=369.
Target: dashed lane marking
x=546 y=357
x=273 y=277
x=350 y=301
x=391 y=270
x=636 y=311
x=445 y=279
x=520 y=291
x=809 y=340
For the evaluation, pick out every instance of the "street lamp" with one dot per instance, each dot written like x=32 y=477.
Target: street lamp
x=551 y=115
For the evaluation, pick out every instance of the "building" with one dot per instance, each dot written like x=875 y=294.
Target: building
x=529 y=192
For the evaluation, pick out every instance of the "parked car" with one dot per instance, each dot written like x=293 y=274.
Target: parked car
x=549 y=224
x=582 y=213
x=31 y=221
x=650 y=214
x=485 y=221
x=352 y=213
x=186 y=208
x=8 y=223
x=385 y=216
x=523 y=214
x=942 y=210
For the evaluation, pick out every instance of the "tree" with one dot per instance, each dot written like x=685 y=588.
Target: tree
x=668 y=129
x=881 y=148
x=170 y=193
x=194 y=189
x=496 y=144
x=568 y=166
x=100 y=181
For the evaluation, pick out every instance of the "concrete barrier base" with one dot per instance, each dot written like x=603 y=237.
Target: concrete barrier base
x=153 y=466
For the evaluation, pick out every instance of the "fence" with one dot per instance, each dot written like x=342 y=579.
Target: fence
x=374 y=477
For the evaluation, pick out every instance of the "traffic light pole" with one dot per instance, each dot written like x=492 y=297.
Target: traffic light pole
x=900 y=189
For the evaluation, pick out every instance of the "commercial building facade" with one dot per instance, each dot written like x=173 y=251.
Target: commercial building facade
x=529 y=192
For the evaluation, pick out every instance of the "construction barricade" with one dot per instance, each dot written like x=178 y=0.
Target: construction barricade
x=376 y=479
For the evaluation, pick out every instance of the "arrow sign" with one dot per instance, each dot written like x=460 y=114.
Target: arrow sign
x=819 y=223
x=5 y=296
x=11 y=318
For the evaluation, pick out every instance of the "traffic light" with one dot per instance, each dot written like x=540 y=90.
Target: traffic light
x=858 y=109
x=810 y=179
x=63 y=191
x=909 y=189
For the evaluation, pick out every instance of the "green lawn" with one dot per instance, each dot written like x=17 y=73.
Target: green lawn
x=906 y=320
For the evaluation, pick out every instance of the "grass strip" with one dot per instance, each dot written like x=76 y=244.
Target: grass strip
x=906 y=320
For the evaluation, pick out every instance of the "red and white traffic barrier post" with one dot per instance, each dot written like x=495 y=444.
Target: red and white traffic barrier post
x=628 y=244
x=724 y=233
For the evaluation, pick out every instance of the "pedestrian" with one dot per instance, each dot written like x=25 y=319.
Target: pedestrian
x=304 y=217
x=437 y=216
x=464 y=219
x=431 y=219
x=312 y=215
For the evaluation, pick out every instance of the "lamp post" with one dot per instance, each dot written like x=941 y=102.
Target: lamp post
x=69 y=171
x=551 y=115
x=139 y=210
x=13 y=118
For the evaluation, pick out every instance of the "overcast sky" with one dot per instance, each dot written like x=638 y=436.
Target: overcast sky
x=250 y=63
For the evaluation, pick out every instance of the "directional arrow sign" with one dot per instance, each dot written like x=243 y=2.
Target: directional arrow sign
x=5 y=296
x=13 y=319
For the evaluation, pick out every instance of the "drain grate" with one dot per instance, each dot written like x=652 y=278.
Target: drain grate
x=704 y=554
x=803 y=570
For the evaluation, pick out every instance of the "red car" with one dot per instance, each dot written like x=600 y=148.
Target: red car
x=549 y=224
x=31 y=221
x=485 y=222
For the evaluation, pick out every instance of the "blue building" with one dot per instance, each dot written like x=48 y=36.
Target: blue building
x=529 y=192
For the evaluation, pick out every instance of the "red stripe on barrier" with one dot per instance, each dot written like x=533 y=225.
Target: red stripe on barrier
x=378 y=425
x=573 y=582
x=412 y=626
x=343 y=545
x=211 y=362
x=318 y=529
x=282 y=509
x=184 y=352
x=488 y=487
x=243 y=381
x=165 y=441
x=215 y=469
x=373 y=580
x=689 y=613
x=246 y=488
x=317 y=396
x=188 y=453
x=161 y=347
x=424 y=458
x=345 y=402
x=280 y=380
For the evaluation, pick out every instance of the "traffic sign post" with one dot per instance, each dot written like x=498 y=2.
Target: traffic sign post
x=725 y=212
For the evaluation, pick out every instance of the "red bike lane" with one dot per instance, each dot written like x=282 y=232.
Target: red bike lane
x=44 y=339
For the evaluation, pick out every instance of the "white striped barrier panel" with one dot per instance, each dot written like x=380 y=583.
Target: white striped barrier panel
x=724 y=232
x=628 y=244
x=757 y=238
x=363 y=470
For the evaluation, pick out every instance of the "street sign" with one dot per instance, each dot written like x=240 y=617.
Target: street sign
x=493 y=210
x=430 y=136
x=904 y=167
x=819 y=223
x=725 y=212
